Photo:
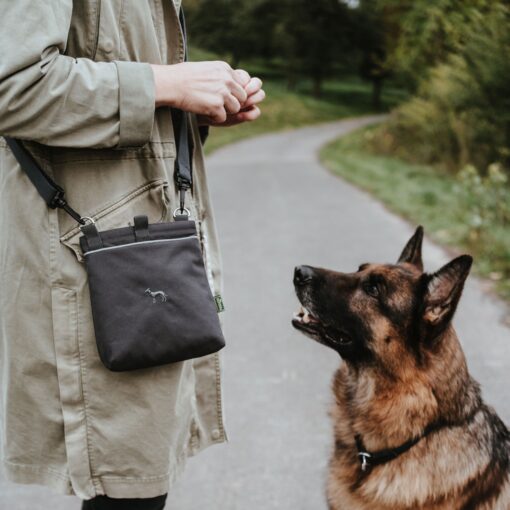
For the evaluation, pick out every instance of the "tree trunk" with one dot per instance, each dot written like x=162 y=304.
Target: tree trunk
x=291 y=81
x=235 y=60
x=317 y=87
x=377 y=84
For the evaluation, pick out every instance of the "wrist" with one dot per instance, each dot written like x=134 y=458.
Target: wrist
x=166 y=85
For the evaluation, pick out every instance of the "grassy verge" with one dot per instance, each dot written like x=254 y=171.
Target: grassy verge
x=284 y=109
x=427 y=196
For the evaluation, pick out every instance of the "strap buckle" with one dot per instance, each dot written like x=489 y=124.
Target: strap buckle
x=181 y=210
x=365 y=460
x=58 y=199
x=181 y=214
x=86 y=220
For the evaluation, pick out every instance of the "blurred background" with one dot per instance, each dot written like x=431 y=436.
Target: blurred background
x=441 y=68
x=408 y=102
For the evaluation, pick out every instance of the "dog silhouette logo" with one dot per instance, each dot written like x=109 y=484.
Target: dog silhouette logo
x=157 y=297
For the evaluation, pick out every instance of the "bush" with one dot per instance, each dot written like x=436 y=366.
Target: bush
x=461 y=114
x=486 y=198
x=485 y=204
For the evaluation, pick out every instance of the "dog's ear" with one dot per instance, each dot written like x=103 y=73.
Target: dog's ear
x=412 y=251
x=443 y=291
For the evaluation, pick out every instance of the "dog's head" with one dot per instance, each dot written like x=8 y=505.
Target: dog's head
x=381 y=311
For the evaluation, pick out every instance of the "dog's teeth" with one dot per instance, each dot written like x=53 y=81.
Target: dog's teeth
x=306 y=318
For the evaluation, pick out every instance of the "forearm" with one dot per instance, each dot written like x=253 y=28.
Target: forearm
x=59 y=100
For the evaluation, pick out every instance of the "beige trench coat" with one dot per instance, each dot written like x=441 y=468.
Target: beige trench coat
x=76 y=84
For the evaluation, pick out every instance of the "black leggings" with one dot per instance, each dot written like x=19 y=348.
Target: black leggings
x=106 y=503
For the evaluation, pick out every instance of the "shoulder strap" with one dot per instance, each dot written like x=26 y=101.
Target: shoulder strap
x=54 y=195
x=183 y=165
x=49 y=190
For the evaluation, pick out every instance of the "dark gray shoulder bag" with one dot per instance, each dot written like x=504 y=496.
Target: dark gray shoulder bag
x=151 y=300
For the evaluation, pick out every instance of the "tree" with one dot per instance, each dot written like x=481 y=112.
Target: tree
x=429 y=32
x=312 y=37
x=374 y=36
x=238 y=28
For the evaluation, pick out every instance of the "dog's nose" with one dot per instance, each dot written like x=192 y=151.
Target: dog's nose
x=302 y=275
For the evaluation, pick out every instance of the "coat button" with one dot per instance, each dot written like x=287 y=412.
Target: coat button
x=215 y=434
x=108 y=46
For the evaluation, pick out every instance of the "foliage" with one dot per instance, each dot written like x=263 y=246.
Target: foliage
x=306 y=39
x=486 y=199
x=373 y=35
x=283 y=109
x=231 y=27
x=461 y=115
x=311 y=37
x=469 y=211
x=429 y=32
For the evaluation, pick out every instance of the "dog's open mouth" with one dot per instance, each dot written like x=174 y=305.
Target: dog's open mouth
x=305 y=321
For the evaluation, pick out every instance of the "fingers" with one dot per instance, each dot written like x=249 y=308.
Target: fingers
x=234 y=94
x=252 y=114
x=247 y=90
x=247 y=115
x=255 y=98
x=218 y=115
x=253 y=86
x=232 y=104
x=235 y=100
x=238 y=92
x=242 y=77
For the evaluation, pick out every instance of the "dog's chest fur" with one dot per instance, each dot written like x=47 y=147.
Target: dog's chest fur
x=449 y=469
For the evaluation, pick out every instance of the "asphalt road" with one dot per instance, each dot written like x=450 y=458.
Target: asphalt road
x=276 y=208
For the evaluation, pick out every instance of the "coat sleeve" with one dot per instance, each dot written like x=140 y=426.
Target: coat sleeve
x=59 y=100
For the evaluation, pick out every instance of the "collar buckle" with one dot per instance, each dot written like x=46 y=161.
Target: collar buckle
x=365 y=460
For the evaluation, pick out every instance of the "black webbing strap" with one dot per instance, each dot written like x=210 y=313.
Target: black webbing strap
x=371 y=459
x=183 y=171
x=51 y=192
x=54 y=195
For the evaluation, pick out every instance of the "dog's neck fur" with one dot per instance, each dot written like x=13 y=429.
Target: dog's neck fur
x=387 y=410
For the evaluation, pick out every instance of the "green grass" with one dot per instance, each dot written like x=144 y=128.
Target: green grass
x=284 y=109
x=425 y=195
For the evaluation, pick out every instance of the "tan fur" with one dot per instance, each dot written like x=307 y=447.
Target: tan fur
x=386 y=412
x=404 y=378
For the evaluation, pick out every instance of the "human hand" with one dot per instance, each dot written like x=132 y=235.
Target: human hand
x=249 y=110
x=210 y=89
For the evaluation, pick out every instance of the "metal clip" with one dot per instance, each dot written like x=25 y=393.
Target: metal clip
x=365 y=460
x=86 y=220
x=181 y=212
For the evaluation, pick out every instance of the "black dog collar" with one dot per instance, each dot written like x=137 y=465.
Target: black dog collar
x=371 y=459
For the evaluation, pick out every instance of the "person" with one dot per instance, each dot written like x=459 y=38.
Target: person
x=88 y=88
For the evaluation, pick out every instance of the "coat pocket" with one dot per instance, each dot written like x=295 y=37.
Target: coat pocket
x=152 y=199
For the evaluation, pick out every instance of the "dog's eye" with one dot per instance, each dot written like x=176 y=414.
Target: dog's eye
x=371 y=289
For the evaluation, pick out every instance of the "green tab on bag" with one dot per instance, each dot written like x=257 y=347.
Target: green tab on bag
x=220 y=307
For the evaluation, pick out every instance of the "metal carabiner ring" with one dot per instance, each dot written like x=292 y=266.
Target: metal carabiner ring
x=182 y=212
x=87 y=219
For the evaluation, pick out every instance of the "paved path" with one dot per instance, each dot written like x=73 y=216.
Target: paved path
x=277 y=207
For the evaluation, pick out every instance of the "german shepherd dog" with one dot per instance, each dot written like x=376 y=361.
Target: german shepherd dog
x=411 y=429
